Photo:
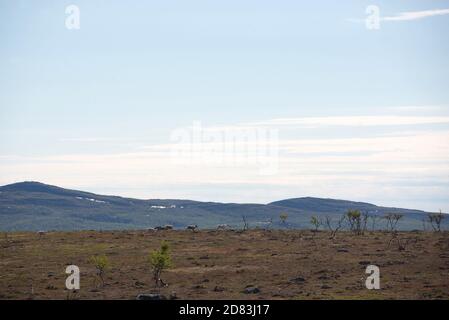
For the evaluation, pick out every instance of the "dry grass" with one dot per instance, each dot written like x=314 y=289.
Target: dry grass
x=220 y=264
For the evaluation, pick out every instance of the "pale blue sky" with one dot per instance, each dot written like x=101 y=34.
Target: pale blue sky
x=137 y=70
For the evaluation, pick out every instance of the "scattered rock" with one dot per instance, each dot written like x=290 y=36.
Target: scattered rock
x=325 y=286
x=251 y=290
x=342 y=250
x=199 y=286
x=219 y=289
x=151 y=296
x=298 y=280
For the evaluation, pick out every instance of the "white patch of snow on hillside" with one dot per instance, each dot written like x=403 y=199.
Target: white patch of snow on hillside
x=172 y=206
x=90 y=199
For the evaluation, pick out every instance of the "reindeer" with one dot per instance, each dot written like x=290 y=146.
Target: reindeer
x=192 y=227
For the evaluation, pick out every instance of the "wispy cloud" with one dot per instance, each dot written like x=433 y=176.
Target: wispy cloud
x=354 y=121
x=95 y=139
x=408 y=165
x=336 y=121
x=415 y=15
x=407 y=16
x=419 y=108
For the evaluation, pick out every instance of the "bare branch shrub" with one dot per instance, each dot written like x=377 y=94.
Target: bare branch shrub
x=435 y=220
x=374 y=219
x=334 y=229
x=245 y=223
x=424 y=224
x=392 y=221
x=401 y=243
x=268 y=224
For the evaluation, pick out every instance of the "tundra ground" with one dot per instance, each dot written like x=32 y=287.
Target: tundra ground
x=282 y=264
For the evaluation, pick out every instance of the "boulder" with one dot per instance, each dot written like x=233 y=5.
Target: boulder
x=251 y=290
x=151 y=296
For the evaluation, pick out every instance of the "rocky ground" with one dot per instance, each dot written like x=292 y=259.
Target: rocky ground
x=277 y=264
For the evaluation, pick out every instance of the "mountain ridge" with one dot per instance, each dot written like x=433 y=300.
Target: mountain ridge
x=32 y=205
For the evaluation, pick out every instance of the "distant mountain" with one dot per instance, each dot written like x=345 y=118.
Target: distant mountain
x=325 y=206
x=37 y=206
